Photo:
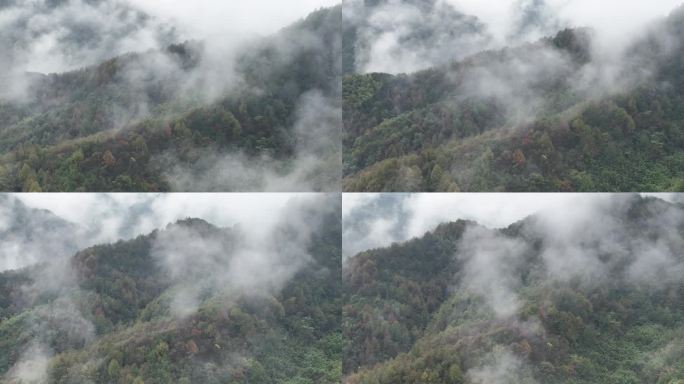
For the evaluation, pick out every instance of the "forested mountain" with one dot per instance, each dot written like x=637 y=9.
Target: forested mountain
x=189 y=303
x=175 y=119
x=558 y=114
x=592 y=296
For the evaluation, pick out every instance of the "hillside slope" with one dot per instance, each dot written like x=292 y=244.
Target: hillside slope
x=182 y=305
x=173 y=119
x=544 y=116
x=584 y=298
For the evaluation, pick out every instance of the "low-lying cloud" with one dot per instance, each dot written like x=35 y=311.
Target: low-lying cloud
x=593 y=240
x=244 y=260
x=42 y=37
x=501 y=366
x=590 y=243
x=253 y=246
x=32 y=365
x=491 y=264
x=207 y=18
x=422 y=35
x=378 y=220
x=404 y=36
x=315 y=166
x=55 y=36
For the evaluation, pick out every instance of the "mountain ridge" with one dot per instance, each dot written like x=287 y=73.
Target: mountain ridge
x=148 y=121
x=111 y=316
x=532 y=121
x=491 y=304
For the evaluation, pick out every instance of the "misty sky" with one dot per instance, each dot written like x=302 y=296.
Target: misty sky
x=51 y=37
x=146 y=212
x=612 y=18
x=615 y=24
x=101 y=218
x=210 y=17
x=415 y=214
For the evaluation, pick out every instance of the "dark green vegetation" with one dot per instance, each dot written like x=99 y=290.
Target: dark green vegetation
x=522 y=119
x=414 y=312
x=110 y=321
x=128 y=123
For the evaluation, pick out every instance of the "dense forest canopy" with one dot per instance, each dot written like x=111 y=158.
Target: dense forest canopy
x=589 y=293
x=187 y=303
x=176 y=118
x=562 y=113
